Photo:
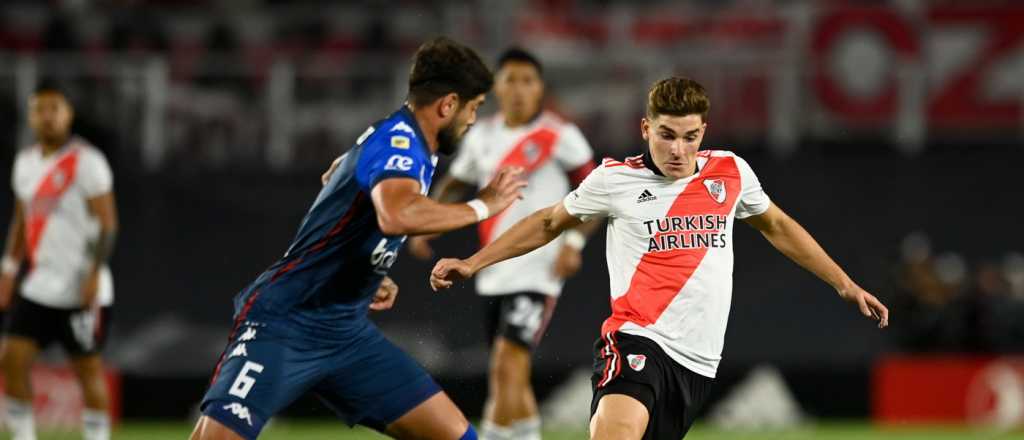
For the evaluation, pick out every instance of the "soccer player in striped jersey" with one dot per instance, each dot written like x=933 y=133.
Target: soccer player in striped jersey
x=64 y=226
x=670 y=215
x=555 y=157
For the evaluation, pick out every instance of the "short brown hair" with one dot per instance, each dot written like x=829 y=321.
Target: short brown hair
x=677 y=96
x=442 y=66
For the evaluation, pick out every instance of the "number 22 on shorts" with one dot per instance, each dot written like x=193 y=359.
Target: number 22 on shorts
x=244 y=382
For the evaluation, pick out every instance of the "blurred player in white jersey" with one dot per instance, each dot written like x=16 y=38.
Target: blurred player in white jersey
x=522 y=292
x=63 y=230
x=670 y=264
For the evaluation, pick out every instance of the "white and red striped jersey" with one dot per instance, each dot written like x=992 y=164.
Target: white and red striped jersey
x=670 y=249
x=554 y=154
x=58 y=225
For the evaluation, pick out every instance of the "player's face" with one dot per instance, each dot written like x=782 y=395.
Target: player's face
x=673 y=142
x=49 y=115
x=449 y=137
x=519 y=90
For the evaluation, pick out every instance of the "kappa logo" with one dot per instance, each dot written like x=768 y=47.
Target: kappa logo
x=239 y=350
x=716 y=188
x=646 y=196
x=636 y=361
x=240 y=411
x=250 y=334
x=402 y=126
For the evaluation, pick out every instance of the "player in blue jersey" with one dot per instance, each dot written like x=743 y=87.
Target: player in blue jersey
x=302 y=325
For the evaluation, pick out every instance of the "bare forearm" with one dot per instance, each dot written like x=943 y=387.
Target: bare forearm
x=796 y=243
x=15 y=246
x=103 y=248
x=450 y=190
x=426 y=216
x=528 y=234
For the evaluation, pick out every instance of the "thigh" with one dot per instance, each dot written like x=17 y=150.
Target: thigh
x=619 y=417
x=84 y=332
x=259 y=374
x=375 y=383
x=522 y=318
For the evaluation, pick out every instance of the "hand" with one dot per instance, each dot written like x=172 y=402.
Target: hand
x=326 y=176
x=505 y=188
x=447 y=271
x=568 y=262
x=419 y=246
x=869 y=306
x=90 y=288
x=386 y=295
x=6 y=290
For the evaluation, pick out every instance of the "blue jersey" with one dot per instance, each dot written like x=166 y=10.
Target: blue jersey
x=324 y=283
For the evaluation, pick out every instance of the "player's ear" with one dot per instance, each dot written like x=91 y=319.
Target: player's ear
x=644 y=126
x=448 y=106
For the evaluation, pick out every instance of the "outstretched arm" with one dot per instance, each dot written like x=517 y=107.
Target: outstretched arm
x=448 y=190
x=528 y=234
x=786 y=235
x=403 y=210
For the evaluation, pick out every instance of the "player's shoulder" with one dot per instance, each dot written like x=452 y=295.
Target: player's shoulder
x=395 y=134
x=628 y=165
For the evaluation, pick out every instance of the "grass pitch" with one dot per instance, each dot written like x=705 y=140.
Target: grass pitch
x=318 y=430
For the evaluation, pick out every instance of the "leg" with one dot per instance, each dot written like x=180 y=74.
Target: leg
x=96 y=417
x=517 y=322
x=619 y=417
x=435 y=419
x=18 y=355
x=511 y=397
x=210 y=429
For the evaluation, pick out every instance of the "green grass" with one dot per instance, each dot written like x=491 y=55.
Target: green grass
x=336 y=431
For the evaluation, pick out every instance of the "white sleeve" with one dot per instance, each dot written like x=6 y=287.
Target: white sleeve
x=464 y=167
x=573 y=150
x=753 y=200
x=96 y=178
x=591 y=198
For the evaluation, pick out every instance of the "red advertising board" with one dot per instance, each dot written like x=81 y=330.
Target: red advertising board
x=58 y=397
x=949 y=389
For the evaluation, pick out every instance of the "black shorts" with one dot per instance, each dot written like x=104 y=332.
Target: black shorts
x=637 y=367
x=80 y=332
x=519 y=317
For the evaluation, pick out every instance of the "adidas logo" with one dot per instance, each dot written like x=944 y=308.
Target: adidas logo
x=646 y=196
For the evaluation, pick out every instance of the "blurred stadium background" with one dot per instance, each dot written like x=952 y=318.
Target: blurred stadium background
x=891 y=129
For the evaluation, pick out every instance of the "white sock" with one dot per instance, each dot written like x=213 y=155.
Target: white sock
x=20 y=421
x=526 y=429
x=491 y=431
x=95 y=424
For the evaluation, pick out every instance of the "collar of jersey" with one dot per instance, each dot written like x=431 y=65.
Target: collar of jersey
x=410 y=118
x=649 y=163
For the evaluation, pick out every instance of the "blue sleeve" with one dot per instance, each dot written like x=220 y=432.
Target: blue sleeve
x=387 y=156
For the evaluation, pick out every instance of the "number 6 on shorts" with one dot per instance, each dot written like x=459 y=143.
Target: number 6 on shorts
x=243 y=383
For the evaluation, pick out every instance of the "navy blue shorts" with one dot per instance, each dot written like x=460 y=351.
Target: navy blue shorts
x=365 y=380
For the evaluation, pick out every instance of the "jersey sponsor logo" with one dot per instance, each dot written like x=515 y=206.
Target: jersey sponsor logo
x=239 y=350
x=399 y=162
x=383 y=257
x=716 y=188
x=240 y=411
x=400 y=142
x=637 y=361
x=646 y=196
x=687 y=232
x=402 y=126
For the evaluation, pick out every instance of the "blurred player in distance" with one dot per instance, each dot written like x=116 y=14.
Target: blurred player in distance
x=556 y=158
x=670 y=215
x=302 y=325
x=63 y=230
